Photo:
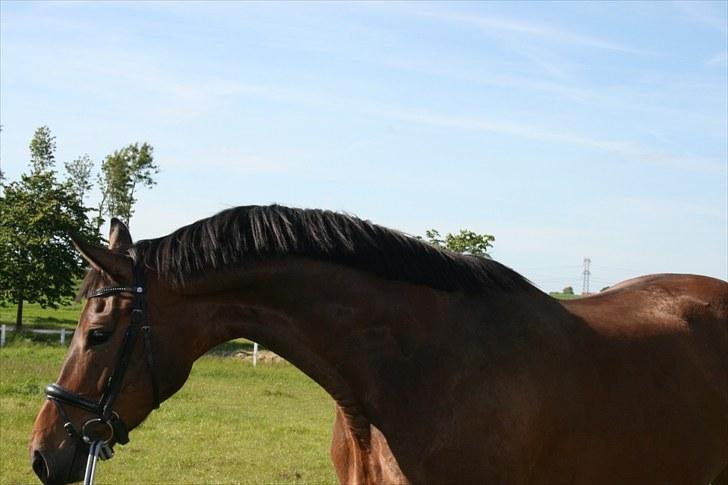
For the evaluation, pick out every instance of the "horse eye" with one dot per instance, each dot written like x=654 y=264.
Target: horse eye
x=97 y=336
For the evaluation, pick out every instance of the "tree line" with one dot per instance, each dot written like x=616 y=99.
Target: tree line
x=38 y=263
x=37 y=212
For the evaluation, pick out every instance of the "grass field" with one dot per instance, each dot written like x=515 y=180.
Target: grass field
x=564 y=296
x=34 y=316
x=231 y=423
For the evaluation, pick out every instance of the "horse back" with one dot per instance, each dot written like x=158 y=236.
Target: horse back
x=661 y=307
x=653 y=381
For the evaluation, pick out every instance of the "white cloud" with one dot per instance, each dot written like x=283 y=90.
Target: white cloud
x=238 y=162
x=542 y=31
x=705 y=13
x=718 y=60
x=166 y=97
x=624 y=149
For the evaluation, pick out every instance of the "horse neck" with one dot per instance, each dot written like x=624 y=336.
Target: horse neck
x=342 y=327
x=375 y=345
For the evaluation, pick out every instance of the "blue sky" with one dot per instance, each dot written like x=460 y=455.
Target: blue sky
x=565 y=129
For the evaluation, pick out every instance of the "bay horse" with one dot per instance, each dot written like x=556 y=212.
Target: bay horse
x=445 y=368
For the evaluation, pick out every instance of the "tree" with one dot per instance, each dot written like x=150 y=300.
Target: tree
x=568 y=290
x=465 y=242
x=37 y=260
x=79 y=175
x=101 y=208
x=42 y=150
x=121 y=173
x=2 y=174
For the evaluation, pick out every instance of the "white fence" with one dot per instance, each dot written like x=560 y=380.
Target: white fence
x=63 y=333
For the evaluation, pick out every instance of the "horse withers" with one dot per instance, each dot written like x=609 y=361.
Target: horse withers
x=445 y=368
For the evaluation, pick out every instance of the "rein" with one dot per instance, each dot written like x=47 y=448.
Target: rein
x=98 y=432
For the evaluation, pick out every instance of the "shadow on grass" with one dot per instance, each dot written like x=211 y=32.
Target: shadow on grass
x=47 y=323
x=26 y=336
x=52 y=320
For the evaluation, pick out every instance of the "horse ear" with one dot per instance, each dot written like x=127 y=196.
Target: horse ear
x=115 y=264
x=119 y=237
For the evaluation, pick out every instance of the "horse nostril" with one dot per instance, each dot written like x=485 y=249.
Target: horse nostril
x=39 y=466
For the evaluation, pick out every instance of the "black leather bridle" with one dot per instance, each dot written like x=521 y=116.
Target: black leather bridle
x=105 y=418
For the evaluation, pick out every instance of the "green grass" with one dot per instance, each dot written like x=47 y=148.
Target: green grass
x=563 y=296
x=34 y=316
x=231 y=423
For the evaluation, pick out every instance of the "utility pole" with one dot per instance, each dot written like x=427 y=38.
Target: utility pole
x=587 y=273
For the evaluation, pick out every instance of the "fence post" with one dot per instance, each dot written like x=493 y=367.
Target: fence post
x=255 y=352
x=2 y=336
x=63 y=336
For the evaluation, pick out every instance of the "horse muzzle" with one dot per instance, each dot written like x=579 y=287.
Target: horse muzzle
x=59 y=467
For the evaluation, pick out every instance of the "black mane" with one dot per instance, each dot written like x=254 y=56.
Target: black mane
x=240 y=235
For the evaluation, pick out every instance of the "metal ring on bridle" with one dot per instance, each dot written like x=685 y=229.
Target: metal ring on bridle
x=88 y=439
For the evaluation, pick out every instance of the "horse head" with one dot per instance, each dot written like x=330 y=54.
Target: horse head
x=110 y=380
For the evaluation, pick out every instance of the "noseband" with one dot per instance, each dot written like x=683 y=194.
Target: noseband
x=105 y=418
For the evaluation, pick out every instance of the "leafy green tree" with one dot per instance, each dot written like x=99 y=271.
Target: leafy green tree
x=465 y=242
x=2 y=174
x=79 y=175
x=42 y=151
x=568 y=290
x=37 y=260
x=122 y=173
